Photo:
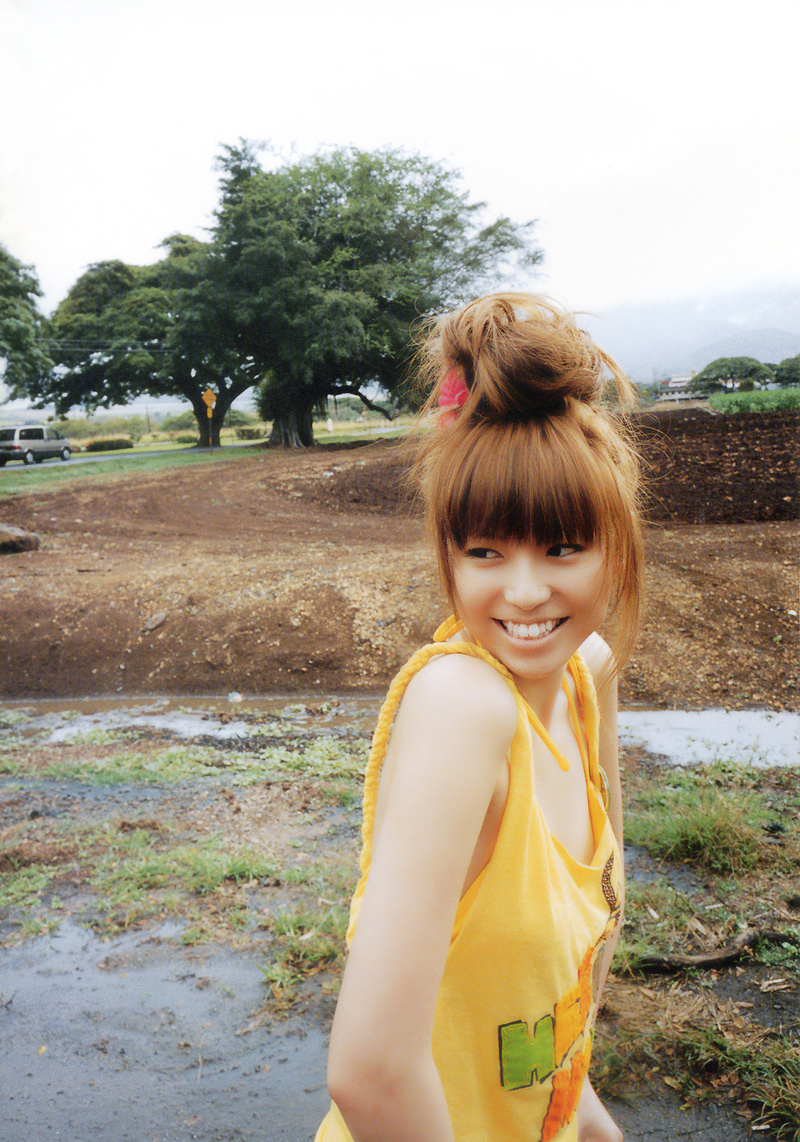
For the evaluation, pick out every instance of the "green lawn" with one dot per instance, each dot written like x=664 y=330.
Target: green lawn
x=21 y=480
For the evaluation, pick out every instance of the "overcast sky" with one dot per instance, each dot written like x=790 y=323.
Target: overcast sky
x=656 y=141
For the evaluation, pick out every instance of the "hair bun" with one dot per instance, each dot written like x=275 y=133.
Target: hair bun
x=521 y=357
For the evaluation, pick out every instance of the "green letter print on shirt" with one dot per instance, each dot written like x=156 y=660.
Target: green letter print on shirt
x=525 y=1059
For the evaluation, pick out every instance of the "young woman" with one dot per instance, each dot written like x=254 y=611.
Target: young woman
x=491 y=891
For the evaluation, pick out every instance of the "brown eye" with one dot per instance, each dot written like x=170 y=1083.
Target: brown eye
x=561 y=550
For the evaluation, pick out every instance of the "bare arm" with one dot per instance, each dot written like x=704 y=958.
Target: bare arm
x=597 y=657
x=449 y=742
x=595 y=1124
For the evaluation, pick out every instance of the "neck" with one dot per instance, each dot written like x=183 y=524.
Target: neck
x=541 y=695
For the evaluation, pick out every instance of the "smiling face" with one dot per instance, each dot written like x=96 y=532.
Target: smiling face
x=560 y=478
x=530 y=605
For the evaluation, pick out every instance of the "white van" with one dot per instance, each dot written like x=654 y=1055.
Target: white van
x=31 y=443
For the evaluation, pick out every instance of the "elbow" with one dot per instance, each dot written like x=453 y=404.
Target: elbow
x=356 y=1085
x=367 y=1089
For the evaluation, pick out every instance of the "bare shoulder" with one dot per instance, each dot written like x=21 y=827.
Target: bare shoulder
x=463 y=689
x=596 y=653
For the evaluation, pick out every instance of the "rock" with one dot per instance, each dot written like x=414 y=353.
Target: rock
x=14 y=539
x=155 y=621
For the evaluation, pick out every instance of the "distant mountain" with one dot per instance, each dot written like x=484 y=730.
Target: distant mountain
x=659 y=339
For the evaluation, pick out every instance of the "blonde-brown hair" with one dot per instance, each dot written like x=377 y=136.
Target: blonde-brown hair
x=533 y=454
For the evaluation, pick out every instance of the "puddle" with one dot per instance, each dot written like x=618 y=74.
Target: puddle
x=218 y=719
x=755 y=737
x=139 y=1038
x=689 y=737
x=641 y=868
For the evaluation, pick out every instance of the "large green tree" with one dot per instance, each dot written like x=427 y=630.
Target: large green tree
x=730 y=373
x=309 y=285
x=123 y=331
x=329 y=262
x=22 y=358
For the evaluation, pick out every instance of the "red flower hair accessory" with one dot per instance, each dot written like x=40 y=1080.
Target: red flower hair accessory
x=452 y=395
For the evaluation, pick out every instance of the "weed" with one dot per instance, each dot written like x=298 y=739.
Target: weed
x=192 y=935
x=96 y=736
x=329 y=757
x=769 y=1074
x=9 y=718
x=688 y=817
x=308 y=941
x=206 y=867
x=656 y=918
x=23 y=886
x=297 y=875
x=785 y=954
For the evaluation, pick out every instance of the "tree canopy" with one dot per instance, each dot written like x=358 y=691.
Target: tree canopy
x=20 y=326
x=331 y=260
x=788 y=371
x=309 y=285
x=124 y=331
x=730 y=372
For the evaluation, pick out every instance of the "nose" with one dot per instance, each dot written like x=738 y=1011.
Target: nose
x=527 y=587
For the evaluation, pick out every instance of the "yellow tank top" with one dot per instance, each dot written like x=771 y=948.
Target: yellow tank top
x=514 y=1017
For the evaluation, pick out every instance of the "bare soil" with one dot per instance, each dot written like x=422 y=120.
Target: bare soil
x=286 y=572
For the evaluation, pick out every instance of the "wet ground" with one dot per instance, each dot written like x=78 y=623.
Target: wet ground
x=138 y=1037
x=685 y=737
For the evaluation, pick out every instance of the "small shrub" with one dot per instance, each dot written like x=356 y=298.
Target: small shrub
x=187 y=438
x=109 y=444
x=250 y=432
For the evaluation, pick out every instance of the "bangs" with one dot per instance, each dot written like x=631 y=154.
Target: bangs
x=527 y=483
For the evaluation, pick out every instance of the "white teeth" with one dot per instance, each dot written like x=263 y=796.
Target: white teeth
x=530 y=630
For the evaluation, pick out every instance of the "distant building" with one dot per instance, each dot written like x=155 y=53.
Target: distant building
x=676 y=388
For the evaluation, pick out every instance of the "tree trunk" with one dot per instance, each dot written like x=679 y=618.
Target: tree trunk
x=293 y=427
x=208 y=426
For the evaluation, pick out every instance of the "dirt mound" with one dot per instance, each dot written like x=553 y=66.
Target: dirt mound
x=700 y=468
x=276 y=573
x=705 y=468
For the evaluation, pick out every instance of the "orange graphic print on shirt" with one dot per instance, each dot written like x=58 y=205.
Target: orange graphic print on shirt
x=558 y=1044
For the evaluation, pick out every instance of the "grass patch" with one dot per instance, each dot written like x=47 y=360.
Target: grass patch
x=176 y=763
x=710 y=816
x=308 y=940
x=325 y=759
x=129 y=869
x=22 y=887
x=25 y=480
